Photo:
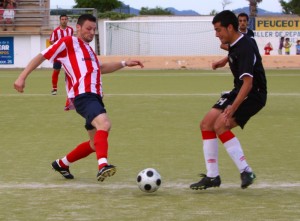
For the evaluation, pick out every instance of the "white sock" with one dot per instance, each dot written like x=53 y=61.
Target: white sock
x=234 y=149
x=210 y=150
x=65 y=161
x=102 y=161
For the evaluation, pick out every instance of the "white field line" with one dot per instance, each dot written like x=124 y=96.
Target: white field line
x=146 y=95
x=72 y=185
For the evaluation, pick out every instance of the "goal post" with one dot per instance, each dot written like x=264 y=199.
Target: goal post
x=160 y=38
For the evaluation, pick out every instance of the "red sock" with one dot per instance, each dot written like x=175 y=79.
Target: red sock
x=227 y=135
x=81 y=151
x=55 y=78
x=207 y=135
x=101 y=147
x=61 y=164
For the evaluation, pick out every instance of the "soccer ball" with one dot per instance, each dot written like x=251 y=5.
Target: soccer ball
x=148 y=180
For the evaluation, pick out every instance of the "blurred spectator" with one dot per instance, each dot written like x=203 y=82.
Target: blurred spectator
x=1 y=13
x=1 y=10
x=10 y=4
x=268 y=48
x=281 y=41
x=9 y=13
x=298 y=47
x=287 y=46
x=3 y=2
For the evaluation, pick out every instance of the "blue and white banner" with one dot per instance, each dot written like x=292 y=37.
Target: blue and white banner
x=6 y=50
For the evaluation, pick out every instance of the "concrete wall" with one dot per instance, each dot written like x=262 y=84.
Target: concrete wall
x=203 y=62
x=25 y=48
x=28 y=45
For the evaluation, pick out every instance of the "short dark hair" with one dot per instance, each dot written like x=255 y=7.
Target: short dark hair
x=243 y=14
x=84 y=17
x=63 y=15
x=226 y=18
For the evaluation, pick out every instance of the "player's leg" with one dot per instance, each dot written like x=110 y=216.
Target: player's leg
x=55 y=74
x=100 y=138
x=210 y=142
x=62 y=165
x=247 y=109
x=210 y=151
x=91 y=107
x=235 y=151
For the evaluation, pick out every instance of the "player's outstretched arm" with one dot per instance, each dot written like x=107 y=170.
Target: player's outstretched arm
x=19 y=84
x=114 y=66
x=220 y=63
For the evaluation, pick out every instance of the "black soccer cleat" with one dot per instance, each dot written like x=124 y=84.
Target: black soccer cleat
x=206 y=182
x=54 y=92
x=106 y=171
x=64 y=172
x=247 y=179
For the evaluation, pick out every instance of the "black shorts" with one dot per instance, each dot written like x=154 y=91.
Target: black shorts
x=56 y=65
x=89 y=106
x=248 y=108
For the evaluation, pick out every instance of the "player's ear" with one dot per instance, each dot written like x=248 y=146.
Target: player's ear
x=230 y=27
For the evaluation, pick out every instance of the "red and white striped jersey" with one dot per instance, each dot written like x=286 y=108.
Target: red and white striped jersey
x=59 y=33
x=82 y=68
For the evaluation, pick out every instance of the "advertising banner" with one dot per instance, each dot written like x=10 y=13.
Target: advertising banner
x=6 y=50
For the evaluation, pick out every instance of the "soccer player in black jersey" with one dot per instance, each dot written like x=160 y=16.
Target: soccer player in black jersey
x=236 y=107
x=243 y=19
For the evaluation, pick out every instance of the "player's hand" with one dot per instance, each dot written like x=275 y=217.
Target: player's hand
x=228 y=113
x=19 y=84
x=220 y=63
x=214 y=65
x=134 y=63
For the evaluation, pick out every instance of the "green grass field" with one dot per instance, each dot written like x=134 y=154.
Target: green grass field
x=155 y=117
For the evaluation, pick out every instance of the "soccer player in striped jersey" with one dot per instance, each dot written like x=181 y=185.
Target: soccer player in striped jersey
x=236 y=107
x=84 y=88
x=61 y=31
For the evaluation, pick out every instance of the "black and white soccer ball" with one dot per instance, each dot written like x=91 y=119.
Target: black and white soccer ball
x=148 y=180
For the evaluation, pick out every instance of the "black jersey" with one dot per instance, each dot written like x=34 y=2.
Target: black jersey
x=250 y=33
x=244 y=59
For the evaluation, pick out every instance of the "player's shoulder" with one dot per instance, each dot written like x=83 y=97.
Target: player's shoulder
x=250 y=33
x=56 y=29
x=66 y=39
x=245 y=45
x=247 y=38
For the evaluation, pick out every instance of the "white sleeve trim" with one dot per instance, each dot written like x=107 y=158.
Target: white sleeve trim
x=250 y=75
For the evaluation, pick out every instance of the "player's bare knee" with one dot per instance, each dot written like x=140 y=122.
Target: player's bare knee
x=206 y=125
x=106 y=125
x=92 y=145
x=219 y=127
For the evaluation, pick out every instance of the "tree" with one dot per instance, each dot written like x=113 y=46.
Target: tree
x=291 y=7
x=100 y=5
x=213 y=12
x=253 y=7
x=155 y=11
x=225 y=3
